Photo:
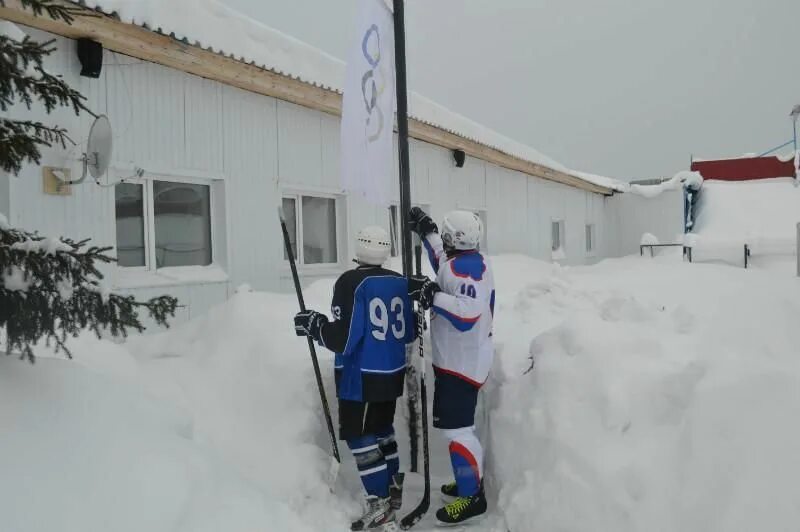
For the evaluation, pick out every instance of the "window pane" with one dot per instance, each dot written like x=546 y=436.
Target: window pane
x=129 y=204
x=556 y=235
x=319 y=230
x=182 y=224
x=290 y=213
x=484 y=245
x=393 y=230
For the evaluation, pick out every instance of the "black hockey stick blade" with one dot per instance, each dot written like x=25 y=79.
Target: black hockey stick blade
x=416 y=514
x=419 y=512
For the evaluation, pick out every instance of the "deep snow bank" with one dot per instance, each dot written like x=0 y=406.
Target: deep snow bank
x=763 y=214
x=664 y=396
x=212 y=426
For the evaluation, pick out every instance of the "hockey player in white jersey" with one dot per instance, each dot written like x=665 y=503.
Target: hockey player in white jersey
x=462 y=308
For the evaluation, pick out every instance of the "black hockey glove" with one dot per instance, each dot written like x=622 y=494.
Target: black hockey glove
x=423 y=290
x=309 y=323
x=420 y=223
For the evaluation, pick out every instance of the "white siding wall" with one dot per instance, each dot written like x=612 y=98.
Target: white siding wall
x=251 y=169
x=630 y=216
x=252 y=148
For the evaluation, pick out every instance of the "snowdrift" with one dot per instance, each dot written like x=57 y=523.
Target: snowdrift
x=763 y=214
x=663 y=396
x=213 y=426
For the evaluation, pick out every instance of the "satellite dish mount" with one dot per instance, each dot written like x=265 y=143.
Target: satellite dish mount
x=97 y=158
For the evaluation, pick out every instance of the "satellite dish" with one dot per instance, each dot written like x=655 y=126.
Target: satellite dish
x=98 y=147
x=97 y=158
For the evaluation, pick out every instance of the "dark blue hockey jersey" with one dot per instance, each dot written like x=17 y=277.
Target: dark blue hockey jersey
x=373 y=322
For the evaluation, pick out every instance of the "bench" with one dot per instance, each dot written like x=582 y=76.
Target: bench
x=687 y=251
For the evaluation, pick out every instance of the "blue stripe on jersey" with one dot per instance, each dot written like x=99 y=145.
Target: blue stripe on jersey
x=491 y=303
x=431 y=255
x=468 y=265
x=382 y=323
x=386 y=371
x=461 y=323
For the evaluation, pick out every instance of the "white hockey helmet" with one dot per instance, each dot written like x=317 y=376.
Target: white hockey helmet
x=372 y=245
x=462 y=230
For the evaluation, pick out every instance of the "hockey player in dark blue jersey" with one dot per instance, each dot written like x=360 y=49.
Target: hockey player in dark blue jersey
x=372 y=322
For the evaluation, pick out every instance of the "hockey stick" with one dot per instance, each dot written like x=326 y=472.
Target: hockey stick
x=311 y=349
x=417 y=513
x=412 y=390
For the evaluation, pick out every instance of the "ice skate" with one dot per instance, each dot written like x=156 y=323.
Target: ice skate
x=379 y=516
x=463 y=510
x=396 y=491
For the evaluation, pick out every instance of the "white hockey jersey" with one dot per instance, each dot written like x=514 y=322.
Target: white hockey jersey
x=462 y=313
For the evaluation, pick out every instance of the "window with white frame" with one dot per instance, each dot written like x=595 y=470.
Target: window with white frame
x=163 y=223
x=557 y=235
x=394 y=230
x=395 y=226
x=312 y=224
x=484 y=240
x=130 y=216
x=590 y=238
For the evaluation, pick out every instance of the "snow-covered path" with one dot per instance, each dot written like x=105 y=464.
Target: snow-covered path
x=348 y=487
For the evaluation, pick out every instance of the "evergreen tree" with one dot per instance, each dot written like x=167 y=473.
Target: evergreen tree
x=51 y=288
x=24 y=80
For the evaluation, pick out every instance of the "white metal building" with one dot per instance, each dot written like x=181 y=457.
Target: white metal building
x=222 y=143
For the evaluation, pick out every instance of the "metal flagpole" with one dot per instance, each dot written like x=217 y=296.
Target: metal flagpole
x=402 y=130
x=405 y=204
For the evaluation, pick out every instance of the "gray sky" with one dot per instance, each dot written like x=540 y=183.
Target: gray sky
x=625 y=88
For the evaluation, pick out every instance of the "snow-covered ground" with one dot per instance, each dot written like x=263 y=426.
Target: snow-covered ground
x=664 y=396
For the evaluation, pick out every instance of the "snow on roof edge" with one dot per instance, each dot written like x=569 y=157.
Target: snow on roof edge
x=252 y=42
x=600 y=180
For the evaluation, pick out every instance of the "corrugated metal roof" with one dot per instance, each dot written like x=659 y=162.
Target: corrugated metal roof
x=249 y=41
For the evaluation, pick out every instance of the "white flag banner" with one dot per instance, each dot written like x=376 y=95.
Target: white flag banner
x=368 y=107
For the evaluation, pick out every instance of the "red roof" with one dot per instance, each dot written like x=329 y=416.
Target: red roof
x=744 y=169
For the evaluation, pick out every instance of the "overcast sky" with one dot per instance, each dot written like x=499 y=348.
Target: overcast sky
x=625 y=88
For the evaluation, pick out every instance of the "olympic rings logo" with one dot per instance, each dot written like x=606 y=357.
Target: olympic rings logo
x=373 y=83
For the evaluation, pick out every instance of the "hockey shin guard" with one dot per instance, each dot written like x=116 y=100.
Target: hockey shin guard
x=466 y=456
x=388 y=447
x=371 y=465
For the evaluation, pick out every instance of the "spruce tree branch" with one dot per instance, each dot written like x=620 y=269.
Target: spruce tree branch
x=22 y=77
x=20 y=142
x=57 y=292
x=53 y=9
